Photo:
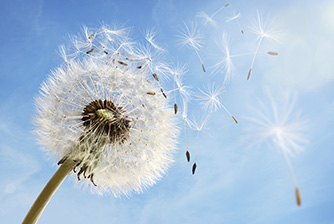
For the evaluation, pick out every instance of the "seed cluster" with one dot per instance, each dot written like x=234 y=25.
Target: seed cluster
x=103 y=118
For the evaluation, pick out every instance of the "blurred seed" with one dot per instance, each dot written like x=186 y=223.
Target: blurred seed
x=151 y=93
x=299 y=201
x=235 y=120
x=106 y=52
x=155 y=76
x=203 y=67
x=175 y=108
x=122 y=63
x=139 y=67
x=90 y=51
x=249 y=73
x=163 y=93
x=272 y=53
x=226 y=5
x=194 y=168
x=188 y=156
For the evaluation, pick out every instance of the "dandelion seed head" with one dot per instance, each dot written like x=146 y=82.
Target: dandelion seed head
x=95 y=110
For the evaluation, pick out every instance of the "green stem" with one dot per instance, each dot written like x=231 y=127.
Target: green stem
x=44 y=197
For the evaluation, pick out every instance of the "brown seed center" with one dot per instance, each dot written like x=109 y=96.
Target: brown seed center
x=105 y=119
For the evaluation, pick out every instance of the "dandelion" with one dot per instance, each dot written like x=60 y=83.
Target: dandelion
x=281 y=126
x=211 y=100
x=190 y=37
x=264 y=30
x=209 y=19
x=96 y=117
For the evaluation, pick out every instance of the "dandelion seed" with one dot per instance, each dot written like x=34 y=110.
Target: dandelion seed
x=188 y=156
x=97 y=119
x=184 y=91
x=198 y=126
x=249 y=73
x=175 y=108
x=185 y=122
x=236 y=18
x=163 y=93
x=189 y=36
x=155 y=77
x=209 y=19
x=264 y=30
x=150 y=35
x=272 y=53
x=211 y=100
x=91 y=50
x=122 y=63
x=281 y=126
x=194 y=168
x=225 y=64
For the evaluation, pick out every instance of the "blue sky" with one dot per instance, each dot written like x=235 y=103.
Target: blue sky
x=237 y=181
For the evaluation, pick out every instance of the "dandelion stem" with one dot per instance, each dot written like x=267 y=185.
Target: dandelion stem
x=44 y=197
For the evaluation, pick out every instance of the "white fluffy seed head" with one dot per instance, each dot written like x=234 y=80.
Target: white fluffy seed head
x=96 y=110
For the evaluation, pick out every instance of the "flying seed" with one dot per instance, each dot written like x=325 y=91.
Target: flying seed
x=91 y=36
x=226 y=5
x=155 y=76
x=249 y=73
x=122 y=63
x=90 y=51
x=175 y=108
x=272 y=53
x=235 y=120
x=106 y=52
x=139 y=67
x=188 y=156
x=151 y=93
x=194 y=168
x=299 y=201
